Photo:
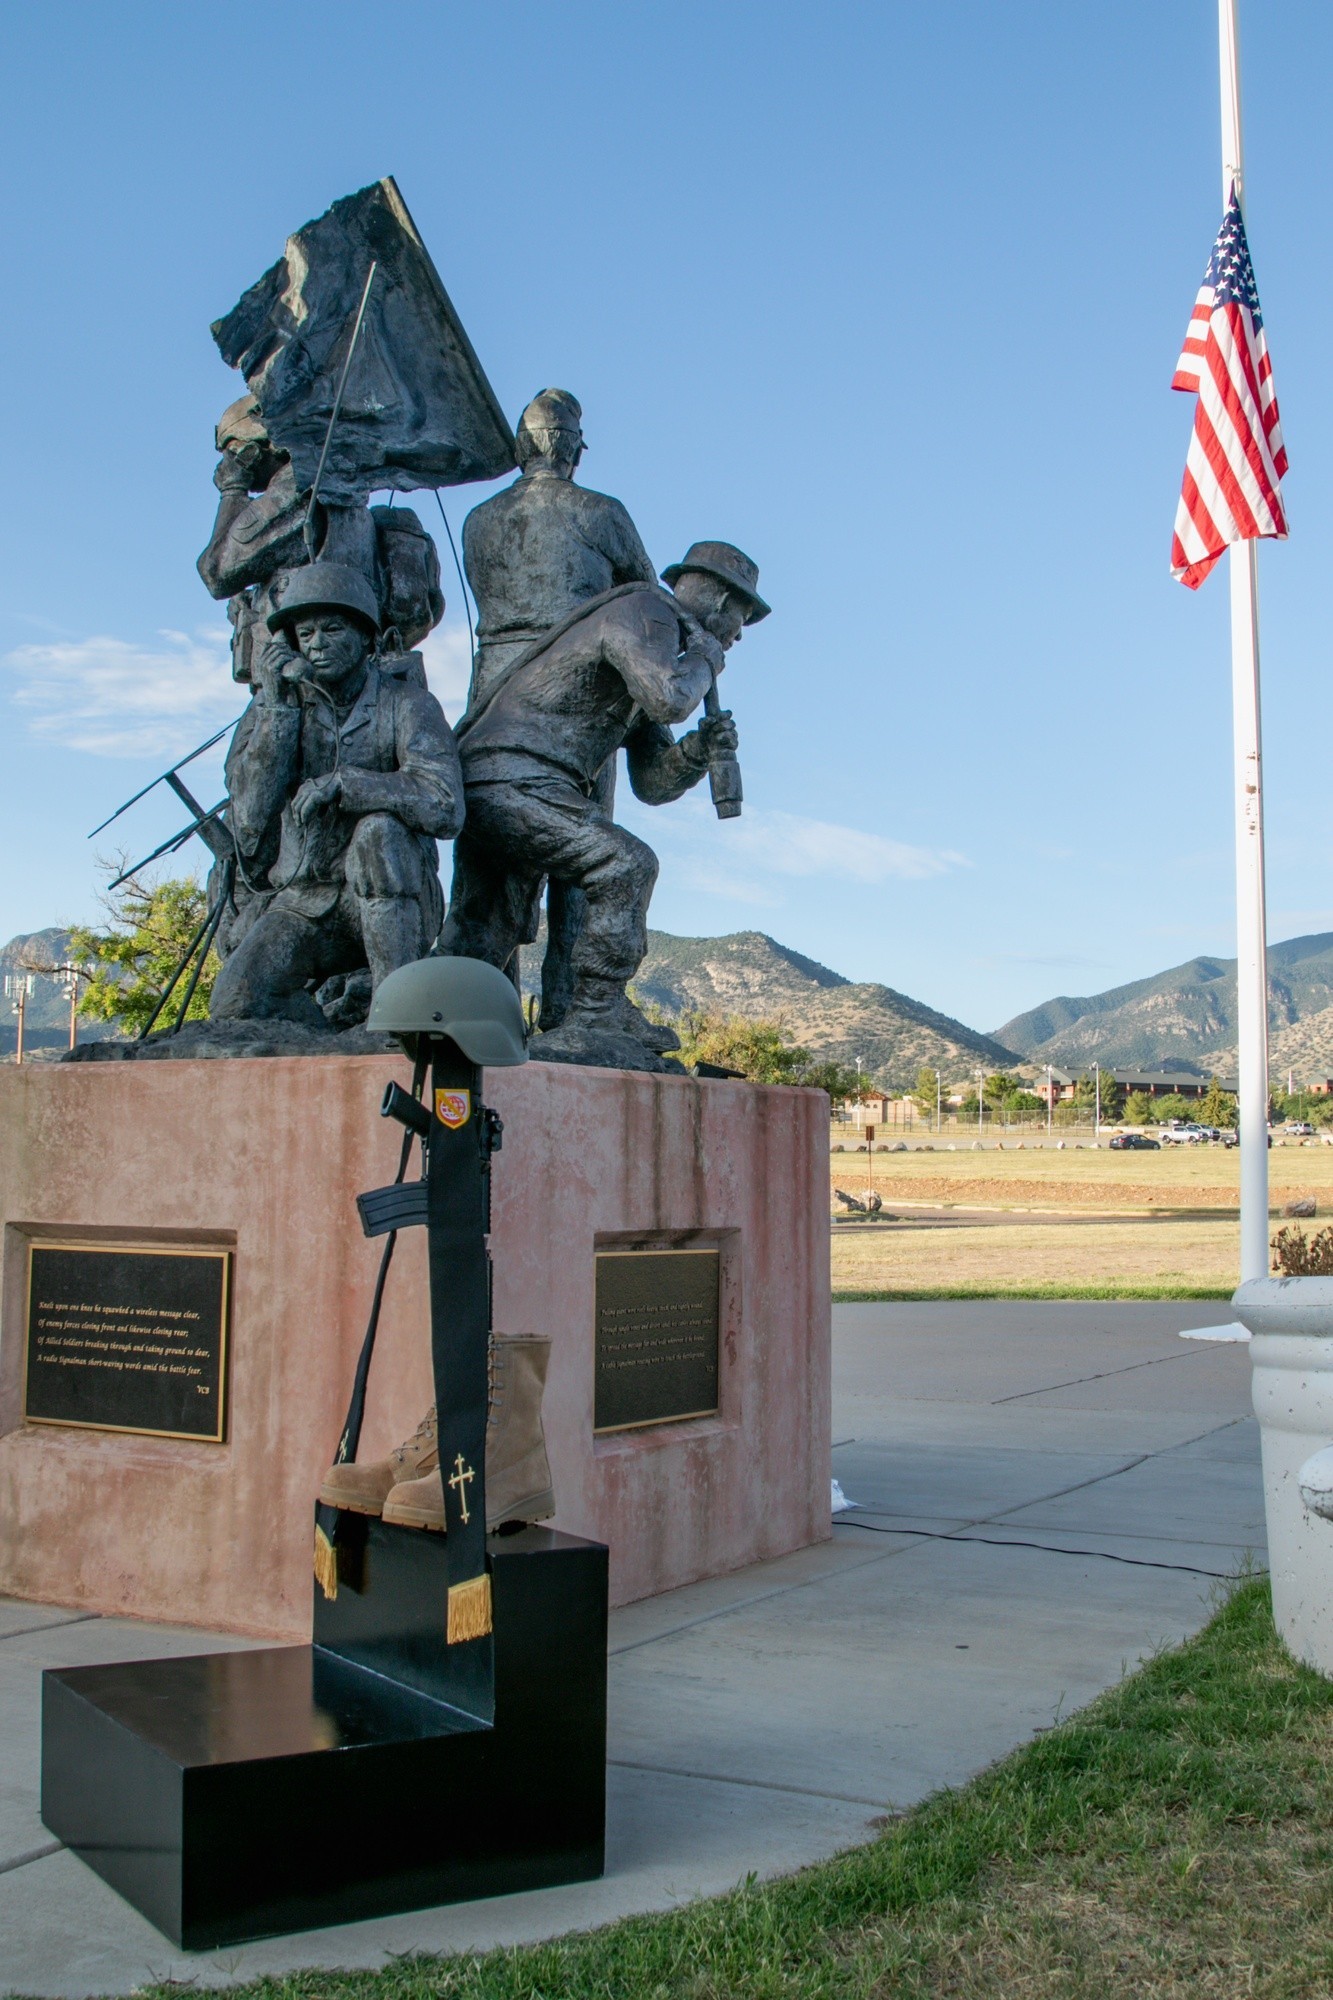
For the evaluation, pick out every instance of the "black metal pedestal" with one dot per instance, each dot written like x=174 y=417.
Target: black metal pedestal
x=239 y=1795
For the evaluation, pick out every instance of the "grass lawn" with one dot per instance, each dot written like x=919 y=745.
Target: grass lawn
x=1175 y=1839
x=1083 y=1259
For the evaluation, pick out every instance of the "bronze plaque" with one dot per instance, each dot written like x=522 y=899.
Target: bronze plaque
x=657 y=1327
x=122 y=1338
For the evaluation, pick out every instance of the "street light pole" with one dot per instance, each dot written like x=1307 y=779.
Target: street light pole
x=69 y=977
x=1050 y=1097
x=18 y=986
x=981 y=1099
x=1097 y=1103
x=939 y=1104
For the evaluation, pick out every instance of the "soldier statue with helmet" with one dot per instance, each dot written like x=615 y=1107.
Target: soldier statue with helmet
x=342 y=775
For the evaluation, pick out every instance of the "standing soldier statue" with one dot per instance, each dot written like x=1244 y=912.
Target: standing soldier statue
x=533 y=554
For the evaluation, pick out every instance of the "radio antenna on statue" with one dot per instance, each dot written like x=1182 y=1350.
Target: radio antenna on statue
x=166 y=777
x=309 y=533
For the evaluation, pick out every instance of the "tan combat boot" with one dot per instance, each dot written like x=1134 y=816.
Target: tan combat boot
x=518 y=1477
x=363 y=1489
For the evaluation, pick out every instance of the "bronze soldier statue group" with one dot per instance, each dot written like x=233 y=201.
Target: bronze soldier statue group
x=344 y=773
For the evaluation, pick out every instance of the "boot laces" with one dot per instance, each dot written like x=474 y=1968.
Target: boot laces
x=424 y=1434
x=495 y=1382
x=426 y=1428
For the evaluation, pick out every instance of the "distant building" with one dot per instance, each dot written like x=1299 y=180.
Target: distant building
x=870 y=1110
x=1151 y=1082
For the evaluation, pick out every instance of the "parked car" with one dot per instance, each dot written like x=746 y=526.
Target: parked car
x=1135 y=1142
x=1183 y=1135
x=1297 y=1128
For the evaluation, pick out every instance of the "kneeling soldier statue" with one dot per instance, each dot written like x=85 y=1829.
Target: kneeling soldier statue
x=342 y=775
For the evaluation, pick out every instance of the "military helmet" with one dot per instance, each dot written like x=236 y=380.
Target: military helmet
x=553 y=409
x=552 y=414
x=325 y=586
x=241 y=423
x=473 y=1003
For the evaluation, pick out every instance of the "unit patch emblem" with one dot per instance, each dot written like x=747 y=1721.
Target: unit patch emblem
x=453 y=1107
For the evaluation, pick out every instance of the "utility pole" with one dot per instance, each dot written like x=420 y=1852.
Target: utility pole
x=981 y=1099
x=939 y=1104
x=1097 y=1102
x=18 y=988
x=1050 y=1097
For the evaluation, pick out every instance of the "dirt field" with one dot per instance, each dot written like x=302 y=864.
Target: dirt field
x=1040 y=1217
x=1179 y=1177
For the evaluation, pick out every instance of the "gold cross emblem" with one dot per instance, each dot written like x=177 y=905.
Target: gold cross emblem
x=459 y=1478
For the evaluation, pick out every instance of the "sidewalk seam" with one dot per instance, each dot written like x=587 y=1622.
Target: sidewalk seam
x=1040 y=1548
x=33 y=1854
x=52 y=1625
x=1103 y=1375
x=746 y=1603
x=751 y=1784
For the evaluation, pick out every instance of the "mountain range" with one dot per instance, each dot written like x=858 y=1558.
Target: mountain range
x=1185 y=1018
x=750 y=973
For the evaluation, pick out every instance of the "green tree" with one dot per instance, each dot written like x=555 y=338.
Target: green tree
x=924 y=1094
x=1140 y=1109
x=129 y=963
x=837 y=1079
x=1175 y=1106
x=761 y=1051
x=1113 y=1097
x=1217 y=1106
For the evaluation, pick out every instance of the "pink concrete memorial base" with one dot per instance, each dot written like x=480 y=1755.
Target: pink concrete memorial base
x=265 y=1158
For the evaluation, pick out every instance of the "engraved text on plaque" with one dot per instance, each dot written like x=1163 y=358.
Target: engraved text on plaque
x=127 y=1339
x=657 y=1337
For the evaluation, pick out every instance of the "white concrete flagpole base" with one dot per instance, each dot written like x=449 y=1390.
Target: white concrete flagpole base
x=1292 y=1356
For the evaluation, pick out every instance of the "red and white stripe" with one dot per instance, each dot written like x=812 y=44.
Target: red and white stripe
x=1233 y=471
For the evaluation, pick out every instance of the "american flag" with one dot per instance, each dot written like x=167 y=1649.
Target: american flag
x=1231 y=491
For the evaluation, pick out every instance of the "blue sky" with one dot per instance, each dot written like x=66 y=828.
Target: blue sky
x=889 y=295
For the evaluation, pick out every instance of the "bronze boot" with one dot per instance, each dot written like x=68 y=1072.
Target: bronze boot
x=518 y=1477
x=363 y=1489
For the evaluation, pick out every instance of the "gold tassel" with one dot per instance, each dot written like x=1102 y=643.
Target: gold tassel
x=326 y=1565
x=469 y=1610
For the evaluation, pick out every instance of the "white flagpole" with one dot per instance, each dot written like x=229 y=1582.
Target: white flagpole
x=1251 y=921
x=1251 y=924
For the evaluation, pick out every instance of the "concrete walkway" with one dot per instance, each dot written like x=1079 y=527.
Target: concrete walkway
x=1045 y=1493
